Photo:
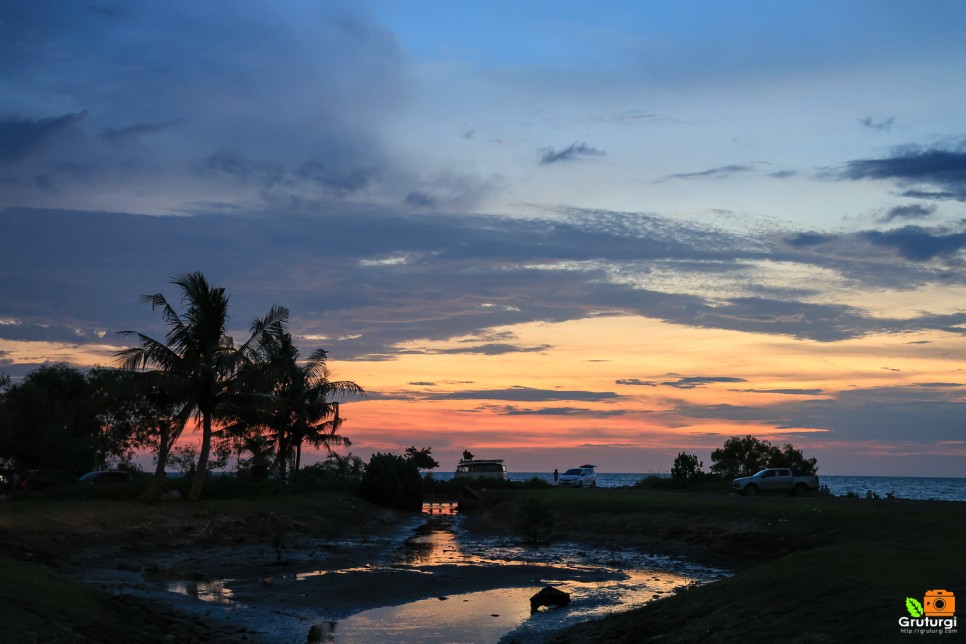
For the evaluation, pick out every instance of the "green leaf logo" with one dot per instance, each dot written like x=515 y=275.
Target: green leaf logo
x=914 y=607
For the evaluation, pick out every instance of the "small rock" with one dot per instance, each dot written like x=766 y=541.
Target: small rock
x=549 y=596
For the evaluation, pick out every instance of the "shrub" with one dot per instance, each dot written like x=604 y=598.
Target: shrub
x=535 y=522
x=393 y=481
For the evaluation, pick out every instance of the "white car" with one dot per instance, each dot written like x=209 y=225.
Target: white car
x=583 y=476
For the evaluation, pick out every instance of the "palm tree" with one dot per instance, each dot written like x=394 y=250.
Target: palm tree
x=198 y=356
x=290 y=399
x=317 y=406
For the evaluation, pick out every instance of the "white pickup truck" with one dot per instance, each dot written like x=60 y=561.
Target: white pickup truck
x=775 y=479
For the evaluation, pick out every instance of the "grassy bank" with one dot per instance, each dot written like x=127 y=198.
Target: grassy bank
x=39 y=602
x=807 y=569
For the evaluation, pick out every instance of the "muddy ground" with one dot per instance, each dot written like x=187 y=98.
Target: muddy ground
x=837 y=565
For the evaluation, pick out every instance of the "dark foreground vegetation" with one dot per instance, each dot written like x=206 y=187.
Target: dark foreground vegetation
x=817 y=569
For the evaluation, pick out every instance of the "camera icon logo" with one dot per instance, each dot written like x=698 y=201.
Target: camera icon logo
x=939 y=603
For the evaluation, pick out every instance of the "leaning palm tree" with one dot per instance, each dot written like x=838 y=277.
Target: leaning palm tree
x=197 y=356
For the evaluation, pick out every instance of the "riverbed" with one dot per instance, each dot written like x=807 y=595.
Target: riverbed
x=431 y=581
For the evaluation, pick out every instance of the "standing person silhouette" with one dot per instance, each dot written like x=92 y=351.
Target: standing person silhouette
x=556 y=475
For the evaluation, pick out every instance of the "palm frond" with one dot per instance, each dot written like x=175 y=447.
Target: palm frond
x=150 y=353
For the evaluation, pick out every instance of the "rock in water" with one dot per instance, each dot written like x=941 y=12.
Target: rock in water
x=549 y=596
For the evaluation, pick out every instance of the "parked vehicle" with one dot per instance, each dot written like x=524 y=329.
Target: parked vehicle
x=481 y=468
x=583 y=476
x=775 y=479
x=40 y=480
x=106 y=476
x=7 y=479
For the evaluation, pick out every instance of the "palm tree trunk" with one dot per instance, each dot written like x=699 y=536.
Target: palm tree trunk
x=281 y=458
x=166 y=439
x=298 y=462
x=201 y=472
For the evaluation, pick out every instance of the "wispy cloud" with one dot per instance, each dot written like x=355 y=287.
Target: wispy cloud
x=878 y=124
x=525 y=394
x=684 y=382
x=139 y=129
x=712 y=173
x=573 y=152
x=583 y=412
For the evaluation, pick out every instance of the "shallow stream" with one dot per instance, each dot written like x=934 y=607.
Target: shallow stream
x=434 y=582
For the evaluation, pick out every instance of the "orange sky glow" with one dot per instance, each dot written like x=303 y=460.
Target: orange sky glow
x=608 y=237
x=642 y=427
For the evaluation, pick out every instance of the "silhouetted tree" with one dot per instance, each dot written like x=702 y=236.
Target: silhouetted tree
x=423 y=458
x=133 y=412
x=686 y=468
x=392 y=480
x=288 y=399
x=50 y=421
x=349 y=466
x=197 y=355
x=741 y=456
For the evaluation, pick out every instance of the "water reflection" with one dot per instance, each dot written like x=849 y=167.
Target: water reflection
x=207 y=591
x=601 y=581
x=433 y=544
x=478 y=618
x=441 y=508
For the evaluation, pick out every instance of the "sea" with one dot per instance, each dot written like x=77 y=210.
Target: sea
x=899 y=487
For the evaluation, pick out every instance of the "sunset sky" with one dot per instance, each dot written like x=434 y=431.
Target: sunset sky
x=549 y=232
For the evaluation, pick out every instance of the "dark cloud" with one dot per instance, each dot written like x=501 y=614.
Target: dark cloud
x=139 y=129
x=943 y=169
x=21 y=136
x=808 y=239
x=918 y=244
x=912 y=211
x=495 y=349
x=425 y=278
x=692 y=382
x=241 y=168
x=785 y=392
x=289 y=104
x=878 y=124
x=573 y=152
x=340 y=180
x=689 y=382
x=332 y=179
x=561 y=411
x=525 y=394
x=916 y=413
x=723 y=171
x=420 y=200
x=783 y=174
